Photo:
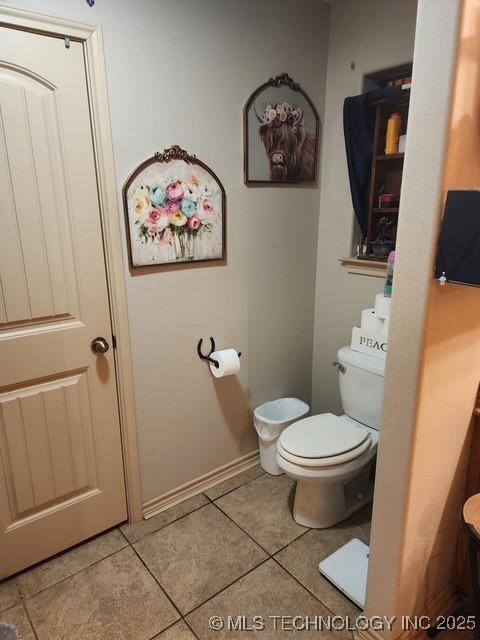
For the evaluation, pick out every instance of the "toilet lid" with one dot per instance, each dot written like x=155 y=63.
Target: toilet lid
x=322 y=436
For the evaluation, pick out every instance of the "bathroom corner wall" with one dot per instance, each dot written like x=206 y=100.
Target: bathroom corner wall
x=179 y=72
x=433 y=367
x=374 y=35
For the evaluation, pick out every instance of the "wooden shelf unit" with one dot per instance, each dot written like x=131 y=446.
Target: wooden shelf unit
x=390 y=156
x=385 y=210
x=387 y=171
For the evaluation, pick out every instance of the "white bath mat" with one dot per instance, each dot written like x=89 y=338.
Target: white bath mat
x=347 y=569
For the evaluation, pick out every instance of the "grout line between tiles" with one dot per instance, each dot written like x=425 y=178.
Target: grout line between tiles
x=307 y=588
x=70 y=575
x=198 y=606
x=130 y=545
x=272 y=556
x=329 y=609
x=27 y=613
x=302 y=585
x=159 y=633
x=193 y=510
x=191 y=628
x=184 y=515
x=19 y=595
x=262 y=473
x=243 y=530
x=183 y=617
x=291 y=542
x=252 y=538
x=79 y=545
x=156 y=580
x=99 y=535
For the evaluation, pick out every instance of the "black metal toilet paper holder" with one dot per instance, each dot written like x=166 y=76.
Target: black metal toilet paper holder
x=212 y=349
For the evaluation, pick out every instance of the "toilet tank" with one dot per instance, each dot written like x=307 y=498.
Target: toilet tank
x=361 y=386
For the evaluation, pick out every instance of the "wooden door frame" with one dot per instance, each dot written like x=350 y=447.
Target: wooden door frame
x=91 y=38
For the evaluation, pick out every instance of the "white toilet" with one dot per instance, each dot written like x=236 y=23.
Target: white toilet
x=332 y=457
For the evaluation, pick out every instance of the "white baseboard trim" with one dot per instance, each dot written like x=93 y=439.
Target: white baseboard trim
x=443 y=605
x=165 y=501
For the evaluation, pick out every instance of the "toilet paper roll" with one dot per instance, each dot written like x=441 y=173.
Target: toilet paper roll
x=228 y=363
x=371 y=322
x=382 y=305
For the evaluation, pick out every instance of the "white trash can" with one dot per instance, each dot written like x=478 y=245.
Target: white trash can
x=270 y=419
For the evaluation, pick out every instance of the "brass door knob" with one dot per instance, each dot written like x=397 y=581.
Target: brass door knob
x=99 y=346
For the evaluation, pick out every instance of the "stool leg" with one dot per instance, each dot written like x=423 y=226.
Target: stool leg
x=475 y=588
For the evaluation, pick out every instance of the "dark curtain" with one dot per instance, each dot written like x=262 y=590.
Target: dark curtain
x=359 y=128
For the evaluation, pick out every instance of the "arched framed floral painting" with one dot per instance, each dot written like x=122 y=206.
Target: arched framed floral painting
x=174 y=211
x=281 y=132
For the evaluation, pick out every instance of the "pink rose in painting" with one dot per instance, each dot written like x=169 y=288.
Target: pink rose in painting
x=164 y=237
x=159 y=217
x=193 y=223
x=154 y=215
x=175 y=191
x=173 y=205
x=205 y=208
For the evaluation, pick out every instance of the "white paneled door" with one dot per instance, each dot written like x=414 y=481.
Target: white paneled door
x=61 y=470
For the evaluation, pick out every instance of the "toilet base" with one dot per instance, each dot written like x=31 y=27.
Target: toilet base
x=319 y=505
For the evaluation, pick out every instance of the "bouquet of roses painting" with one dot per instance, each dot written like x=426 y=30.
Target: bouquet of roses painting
x=173 y=211
x=175 y=214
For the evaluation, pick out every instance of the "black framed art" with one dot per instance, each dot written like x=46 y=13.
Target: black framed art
x=174 y=211
x=281 y=131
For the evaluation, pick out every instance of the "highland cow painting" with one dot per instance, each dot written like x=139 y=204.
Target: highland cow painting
x=281 y=134
x=174 y=211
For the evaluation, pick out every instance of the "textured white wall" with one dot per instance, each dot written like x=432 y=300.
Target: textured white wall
x=374 y=34
x=179 y=72
x=433 y=365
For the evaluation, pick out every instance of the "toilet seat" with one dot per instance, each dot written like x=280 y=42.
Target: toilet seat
x=323 y=440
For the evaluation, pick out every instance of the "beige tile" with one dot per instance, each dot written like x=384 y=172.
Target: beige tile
x=115 y=598
x=196 y=556
x=9 y=594
x=17 y=617
x=70 y=562
x=301 y=559
x=266 y=591
x=263 y=509
x=144 y=528
x=179 y=631
x=233 y=483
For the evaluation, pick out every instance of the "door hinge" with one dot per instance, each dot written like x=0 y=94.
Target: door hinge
x=67 y=42
x=114 y=341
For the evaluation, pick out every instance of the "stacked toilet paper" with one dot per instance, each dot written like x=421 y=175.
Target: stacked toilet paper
x=371 y=336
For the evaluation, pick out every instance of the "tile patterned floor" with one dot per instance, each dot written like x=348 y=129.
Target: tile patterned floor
x=233 y=551
x=262 y=508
